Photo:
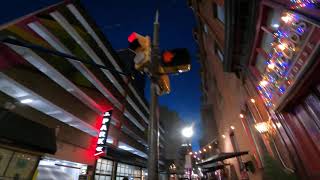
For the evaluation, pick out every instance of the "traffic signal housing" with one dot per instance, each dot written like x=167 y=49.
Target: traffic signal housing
x=175 y=61
x=142 y=47
x=163 y=85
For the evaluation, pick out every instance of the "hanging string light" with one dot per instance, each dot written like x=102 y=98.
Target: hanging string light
x=297 y=4
x=287 y=37
x=203 y=150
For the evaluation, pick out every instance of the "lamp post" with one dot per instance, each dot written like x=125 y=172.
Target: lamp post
x=187 y=132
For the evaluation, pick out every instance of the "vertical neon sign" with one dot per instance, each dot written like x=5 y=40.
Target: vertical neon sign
x=103 y=134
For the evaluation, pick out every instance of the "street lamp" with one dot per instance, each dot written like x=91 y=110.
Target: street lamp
x=187 y=132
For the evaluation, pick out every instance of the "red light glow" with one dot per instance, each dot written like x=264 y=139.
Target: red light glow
x=167 y=56
x=132 y=37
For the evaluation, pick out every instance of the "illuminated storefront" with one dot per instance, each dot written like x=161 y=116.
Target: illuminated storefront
x=282 y=93
x=21 y=149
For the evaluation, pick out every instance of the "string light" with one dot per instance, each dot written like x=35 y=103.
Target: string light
x=210 y=147
x=275 y=79
x=190 y=153
x=286 y=18
x=281 y=47
x=200 y=152
x=204 y=150
x=223 y=136
x=263 y=83
x=271 y=65
x=296 y=4
x=195 y=153
x=241 y=116
x=252 y=100
x=232 y=127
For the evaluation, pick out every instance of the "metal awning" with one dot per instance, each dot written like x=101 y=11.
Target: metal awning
x=221 y=157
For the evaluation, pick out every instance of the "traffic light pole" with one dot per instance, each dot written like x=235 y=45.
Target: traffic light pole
x=153 y=137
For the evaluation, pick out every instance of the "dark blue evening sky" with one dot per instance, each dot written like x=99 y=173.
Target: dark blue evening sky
x=118 y=18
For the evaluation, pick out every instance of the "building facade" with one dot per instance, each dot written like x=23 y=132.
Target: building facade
x=258 y=67
x=172 y=154
x=281 y=95
x=222 y=41
x=77 y=118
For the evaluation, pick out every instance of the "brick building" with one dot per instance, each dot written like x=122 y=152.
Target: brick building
x=251 y=100
x=281 y=88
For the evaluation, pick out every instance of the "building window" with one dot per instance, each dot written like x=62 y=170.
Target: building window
x=267 y=39
x=261 y=63
x=218 y=52
x=205 y=28
x=16 y=165
x=257 y=138
x=218 y=95
x=104 y=169
x=218 y=12
x=129 y=171
x=273 y=20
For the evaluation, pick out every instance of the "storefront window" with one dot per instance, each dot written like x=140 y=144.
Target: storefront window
x=257 y=139
x=261 y=63
x=129 y=171
x=5 y=156
x=21 y=166
x=284 y=59
x=267 y=39
x=273 y=21
x=104 y=169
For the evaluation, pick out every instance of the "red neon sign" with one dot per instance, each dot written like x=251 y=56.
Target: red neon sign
x=103 y=134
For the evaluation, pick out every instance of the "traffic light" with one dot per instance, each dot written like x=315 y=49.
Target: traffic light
x=175 y=61
x=142 y=47
x=163 y=85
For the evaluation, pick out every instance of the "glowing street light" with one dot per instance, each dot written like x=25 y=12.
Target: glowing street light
x=187 y=132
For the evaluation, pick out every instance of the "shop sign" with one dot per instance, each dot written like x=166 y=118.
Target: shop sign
x=103 y=134
x=284 y=59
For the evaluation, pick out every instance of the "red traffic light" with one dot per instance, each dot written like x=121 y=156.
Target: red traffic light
x=175 y=61
x=132 y=37
x=167 y=56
